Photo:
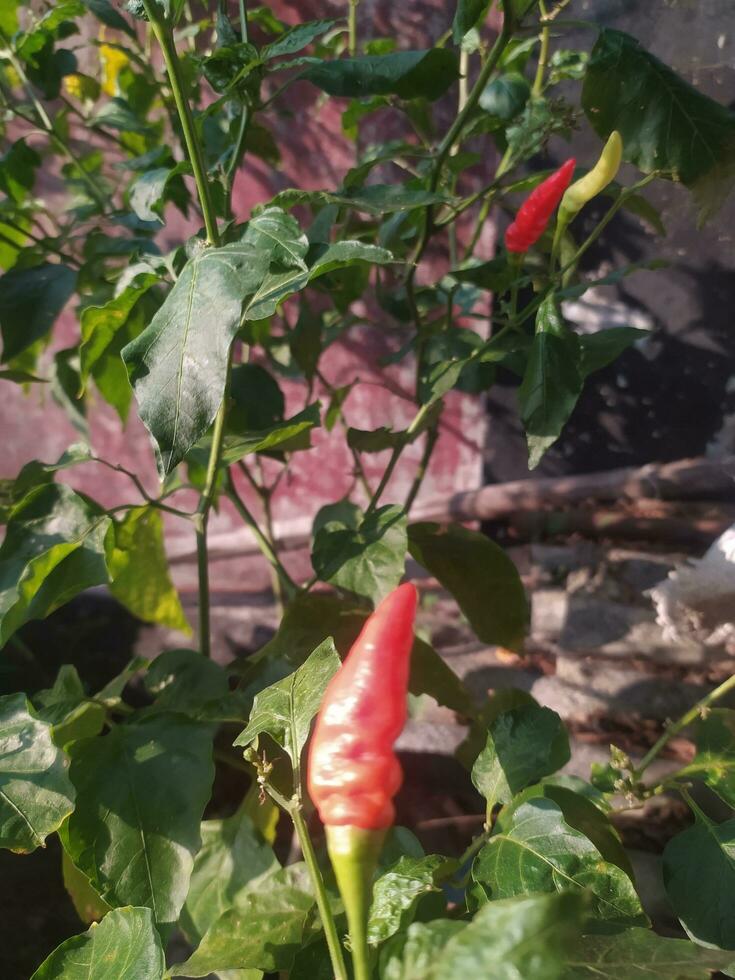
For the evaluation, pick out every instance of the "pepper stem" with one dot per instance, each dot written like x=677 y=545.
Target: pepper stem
x=354 y=854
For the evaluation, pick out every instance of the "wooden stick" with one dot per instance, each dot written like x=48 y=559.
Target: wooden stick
x=686 y=479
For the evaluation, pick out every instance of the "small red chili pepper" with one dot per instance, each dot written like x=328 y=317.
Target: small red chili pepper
x=353 y=772
x=534 y=214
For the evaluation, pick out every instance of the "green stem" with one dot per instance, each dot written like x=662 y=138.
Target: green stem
x=432 y=437
x=396 y=455
x=352 y=27
x=202 y=521
x=46 y=243
x=266 y=547
x=242 y=132
x=330 y=929
x=686 y=719
x=543 y=58
x=354 y=855
x=451 y=137
x=164 y=36
x=603 y=223
x=359 y=468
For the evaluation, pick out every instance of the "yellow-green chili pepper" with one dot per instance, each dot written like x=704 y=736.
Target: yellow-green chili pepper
x=589 y=186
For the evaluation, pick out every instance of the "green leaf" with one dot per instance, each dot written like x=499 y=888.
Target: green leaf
x=235 y=69
x=540 y=852
x=530 y=131
x=87 y=903
x=640 y=953
x=118 y=114
x=374 y=199
x=597 y=350
x=408 y=74
x=35 y=473
x=522 y=938
x=581 y=812
x=233 y=856
x=178 y=365
x=305 y=340
x=141 y=791
x=296 y=38
x=66 y=383
x=9 y=17
x=523 y=745
x=368 y=559
x=666 y=124
x=699 y=875
x=321 y=259
x=506 y=96
x=374 y=440
x=495 y=275
x=30 y=301
x=54 y=548
x=552 y=382
x=105 y=330
x=35 y=792
x=126 y=940
x=257 y=400
x=263 y=931
x=397 y=892
x=105 y=12
x=285 y=709
x=518 y=8
x=18 y=171
x=148 y=193
x=411 y=954
x=480 y=576
x=139 y=575
x=275 y=231
x=285 y=436
x=66 y=708
x=466 y=16
x=714 y=762
x=184 y=680
x=21 y=377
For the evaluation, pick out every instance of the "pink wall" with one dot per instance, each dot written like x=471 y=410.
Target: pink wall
x=315 y=154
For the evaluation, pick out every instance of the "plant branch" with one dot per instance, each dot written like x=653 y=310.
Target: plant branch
x=543 y=58
x=359 y=468
x=448 y=142
x=352 y=27
x=432 y=437
x=153 y=501
x=266 y=546
x=164 y=36
x=330 y=929
x=396 y=455
x=699 y=710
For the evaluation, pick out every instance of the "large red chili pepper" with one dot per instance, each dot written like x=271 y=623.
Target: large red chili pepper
x=534 y=214
x=353 y=773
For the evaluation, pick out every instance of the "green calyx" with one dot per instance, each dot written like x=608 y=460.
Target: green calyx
x=354 y=854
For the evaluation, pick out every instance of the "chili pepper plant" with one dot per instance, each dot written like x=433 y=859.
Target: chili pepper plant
x=115 y=120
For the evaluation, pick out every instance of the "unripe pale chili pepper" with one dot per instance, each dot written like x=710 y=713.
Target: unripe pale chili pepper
x=589 y=186
x=353 y=772
x=535 y=212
